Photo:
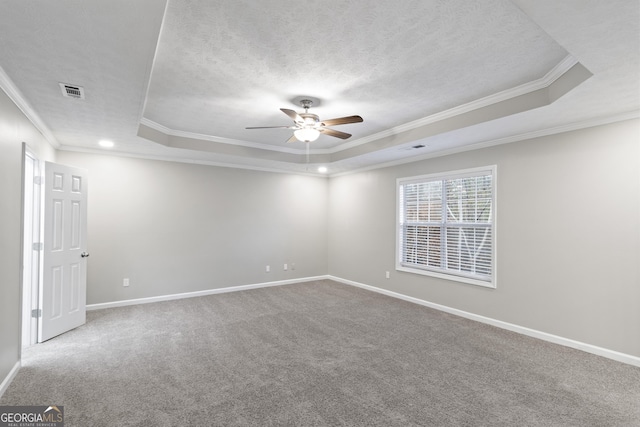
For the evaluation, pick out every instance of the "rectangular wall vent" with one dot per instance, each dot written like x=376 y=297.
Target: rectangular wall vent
x=72 y=91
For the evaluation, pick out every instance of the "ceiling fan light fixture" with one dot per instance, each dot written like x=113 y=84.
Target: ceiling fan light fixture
x=306 y=134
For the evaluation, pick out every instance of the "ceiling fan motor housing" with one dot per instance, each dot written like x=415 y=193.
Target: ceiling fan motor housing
x=310 y=120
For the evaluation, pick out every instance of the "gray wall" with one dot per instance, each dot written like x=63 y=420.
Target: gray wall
x=568 y=242
x=15 y=129
x=174 y=227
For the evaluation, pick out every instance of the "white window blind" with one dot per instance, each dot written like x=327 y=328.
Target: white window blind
x=446 y=225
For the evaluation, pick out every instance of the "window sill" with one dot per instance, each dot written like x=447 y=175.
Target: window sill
x=452 y=277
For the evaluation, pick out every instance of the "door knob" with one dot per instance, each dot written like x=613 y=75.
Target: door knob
x=84 y=254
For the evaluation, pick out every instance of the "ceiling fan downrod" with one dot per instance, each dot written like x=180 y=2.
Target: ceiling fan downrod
x=306 y=104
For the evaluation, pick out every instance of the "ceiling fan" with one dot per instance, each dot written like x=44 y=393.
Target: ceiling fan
x=308 y=127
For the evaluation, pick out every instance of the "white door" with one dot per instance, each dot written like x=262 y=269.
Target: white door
x=64 y=273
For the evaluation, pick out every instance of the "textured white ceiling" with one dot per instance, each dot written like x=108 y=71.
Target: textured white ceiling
x=222 y=66
x=182 y=79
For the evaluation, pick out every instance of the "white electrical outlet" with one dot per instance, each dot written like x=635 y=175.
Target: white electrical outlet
x=125 y=282
x=285 y=267
x=387 y=275
x=267 y=269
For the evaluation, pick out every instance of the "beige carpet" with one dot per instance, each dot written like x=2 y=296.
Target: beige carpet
x=316 y=354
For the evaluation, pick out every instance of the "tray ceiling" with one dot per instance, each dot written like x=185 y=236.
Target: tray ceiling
x=180 y=80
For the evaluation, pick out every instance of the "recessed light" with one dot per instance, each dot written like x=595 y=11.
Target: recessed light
x=105 y=143
x=322 y=169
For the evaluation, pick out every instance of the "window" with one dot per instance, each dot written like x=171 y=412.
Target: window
x=446 y=225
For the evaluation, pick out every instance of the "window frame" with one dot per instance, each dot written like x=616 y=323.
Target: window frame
x=441 y=272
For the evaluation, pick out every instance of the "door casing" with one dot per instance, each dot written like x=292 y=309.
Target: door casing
x=31 y=245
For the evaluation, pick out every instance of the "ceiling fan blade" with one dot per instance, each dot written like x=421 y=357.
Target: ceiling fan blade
x=342 y=121
x=272 y=127
x=336 y=133
x=296 y=118
x=292 y=139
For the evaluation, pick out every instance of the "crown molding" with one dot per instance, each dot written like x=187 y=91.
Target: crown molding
x=203 y=137
x=16 y=96
x=554 y=74
x=500 y=141
x=484 y=144
x=221 y=164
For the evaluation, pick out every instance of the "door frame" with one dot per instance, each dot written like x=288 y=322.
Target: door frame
x=31 y=256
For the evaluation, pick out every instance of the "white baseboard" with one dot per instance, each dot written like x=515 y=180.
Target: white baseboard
x=7 y=381
x=610 y=354
x=137 y=301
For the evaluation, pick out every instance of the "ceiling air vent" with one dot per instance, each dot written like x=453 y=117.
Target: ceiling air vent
x=72 y=91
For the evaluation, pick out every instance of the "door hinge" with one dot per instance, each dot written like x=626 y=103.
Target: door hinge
x=37 y=180
x=38 y=246
x=36 y=313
